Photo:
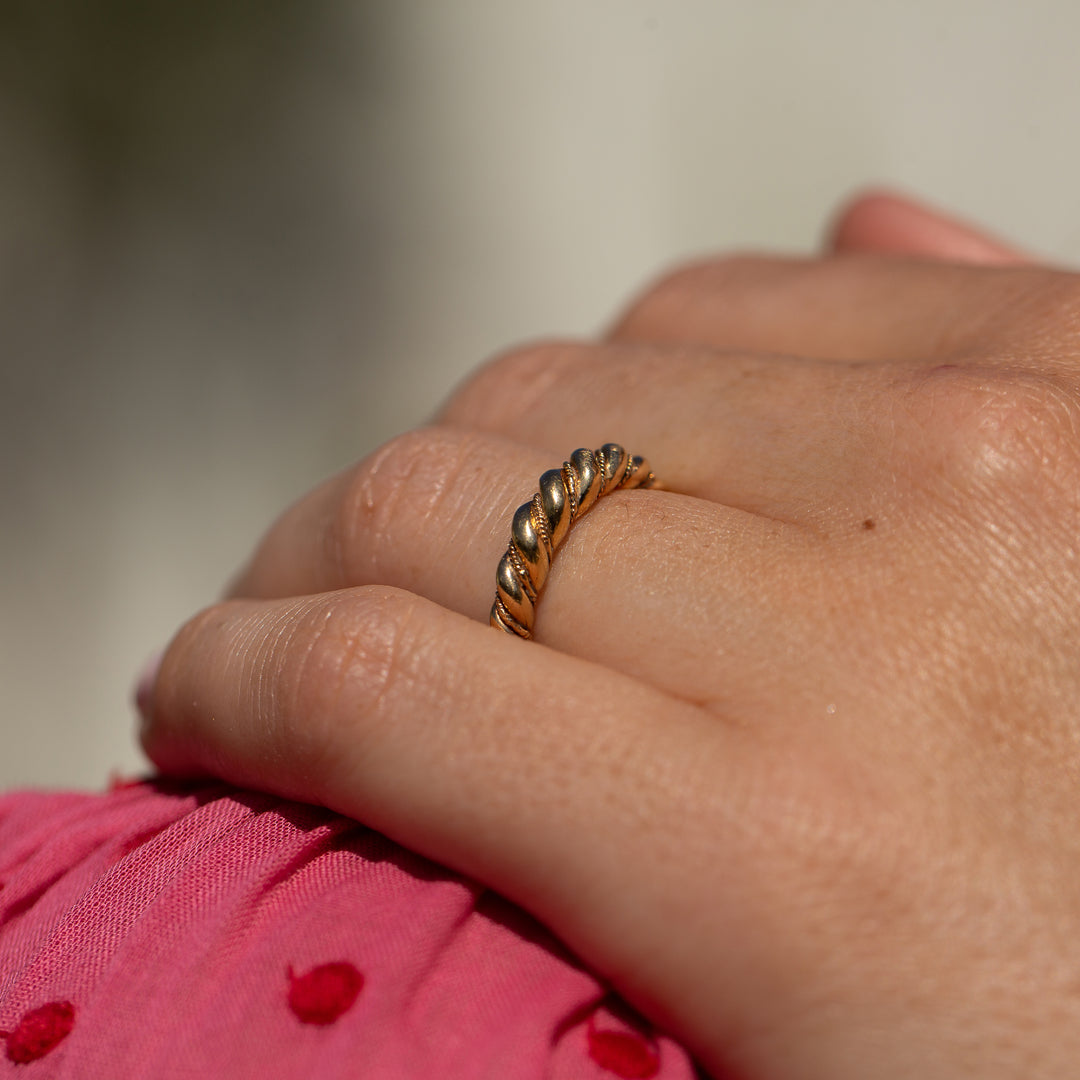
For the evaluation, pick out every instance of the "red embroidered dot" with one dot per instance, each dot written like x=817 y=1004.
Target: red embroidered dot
x=623 y=1053
x=39 y=1031
x=324 y=993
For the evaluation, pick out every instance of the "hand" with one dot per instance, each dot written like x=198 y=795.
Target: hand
x=794 y=757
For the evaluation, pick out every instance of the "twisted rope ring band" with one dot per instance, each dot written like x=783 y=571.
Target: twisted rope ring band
x=541 y=525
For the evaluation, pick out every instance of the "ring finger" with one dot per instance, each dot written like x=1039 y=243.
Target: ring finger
x=431 y=512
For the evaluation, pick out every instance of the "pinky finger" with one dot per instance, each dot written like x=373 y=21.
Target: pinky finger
x=562 y=784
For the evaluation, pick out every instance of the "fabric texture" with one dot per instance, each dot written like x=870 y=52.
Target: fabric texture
x=164 y=930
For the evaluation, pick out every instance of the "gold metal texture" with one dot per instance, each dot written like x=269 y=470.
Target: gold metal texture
x=541 y=525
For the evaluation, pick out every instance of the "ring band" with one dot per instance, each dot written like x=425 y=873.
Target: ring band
x=541 y=525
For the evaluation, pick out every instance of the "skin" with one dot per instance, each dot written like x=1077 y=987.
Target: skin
x=793 y=759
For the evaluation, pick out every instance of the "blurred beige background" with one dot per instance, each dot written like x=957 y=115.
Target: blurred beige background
x=243 y=243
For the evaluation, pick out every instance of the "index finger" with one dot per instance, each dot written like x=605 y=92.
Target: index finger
x=854 y=306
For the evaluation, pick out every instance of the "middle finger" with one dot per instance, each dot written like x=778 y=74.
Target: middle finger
x=774 y=435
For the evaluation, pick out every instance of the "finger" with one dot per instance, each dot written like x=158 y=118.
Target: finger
x=431 y=513
x=844 y=307
x=886 y=223
x=773 y=435
x=563 y=786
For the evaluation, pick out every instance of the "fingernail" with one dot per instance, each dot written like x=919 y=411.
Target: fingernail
x=144 y=688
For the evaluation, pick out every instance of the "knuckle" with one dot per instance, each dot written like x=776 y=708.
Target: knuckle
x=1029 y=317
x=332 y=671
x=507 y=387
x=396 y=488
x=1008 y=433
x=1040 y=318
x=674 y=291
x=304 y=683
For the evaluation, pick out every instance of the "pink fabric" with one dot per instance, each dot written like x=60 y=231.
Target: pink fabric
x=201 y=931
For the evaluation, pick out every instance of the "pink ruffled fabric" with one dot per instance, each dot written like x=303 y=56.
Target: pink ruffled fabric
x=166 y=930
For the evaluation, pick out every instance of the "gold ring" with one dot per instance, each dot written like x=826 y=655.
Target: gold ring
x=541 y=525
